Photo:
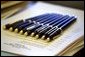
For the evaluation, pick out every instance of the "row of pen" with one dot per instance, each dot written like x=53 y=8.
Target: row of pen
x=45 y=26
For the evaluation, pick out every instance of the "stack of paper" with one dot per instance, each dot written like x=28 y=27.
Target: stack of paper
x=9 y=8
x=70 y=41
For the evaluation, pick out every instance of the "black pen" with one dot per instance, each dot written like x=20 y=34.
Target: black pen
x=7 y=26
x=58 y=30
x=51 y=16
x=45 y=29
x=39 y=29
x=45 y=18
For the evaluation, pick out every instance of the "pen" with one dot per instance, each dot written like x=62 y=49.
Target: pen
x=7 y=26
x=39 y=29
x=24 y=30
x=60 y=27
x=24 y=22
x=41 y=32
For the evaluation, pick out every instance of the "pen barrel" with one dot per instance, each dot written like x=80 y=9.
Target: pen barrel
x=57 y=19
x=61 y=20
x=65 y=21
x=37 y=17
x=50 y=18
x=68 y=23
x=55 y=33
x=47 y=28
x=59 y=29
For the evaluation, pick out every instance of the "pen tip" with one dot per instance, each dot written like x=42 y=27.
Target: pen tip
x=25 y=33
x=21 y=32
x=48 y=39
x=32 y=34
x=43 y=37
x=37 y=36
x=11 y=29
x=16 y=30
